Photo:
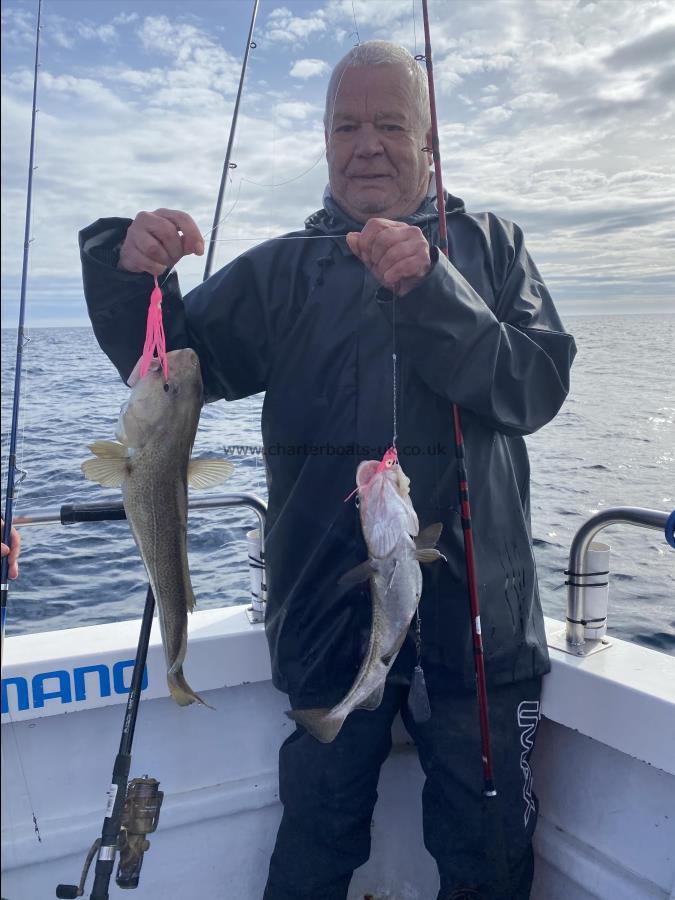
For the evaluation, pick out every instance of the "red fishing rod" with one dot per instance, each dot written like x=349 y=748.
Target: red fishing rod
x=495 y=847
x=489 y=789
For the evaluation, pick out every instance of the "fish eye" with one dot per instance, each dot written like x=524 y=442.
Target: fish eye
x=167 y=387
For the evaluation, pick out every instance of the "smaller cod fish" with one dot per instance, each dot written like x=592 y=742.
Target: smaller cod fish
x=395 y=550
x=151 y=461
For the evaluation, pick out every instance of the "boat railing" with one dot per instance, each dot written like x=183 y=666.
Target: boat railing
x=109 y=511
x=586 y=581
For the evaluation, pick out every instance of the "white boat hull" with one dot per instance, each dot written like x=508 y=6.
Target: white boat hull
x=606 y=785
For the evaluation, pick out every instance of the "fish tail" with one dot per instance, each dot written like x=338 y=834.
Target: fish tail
x=318 y=722
x=181 y=691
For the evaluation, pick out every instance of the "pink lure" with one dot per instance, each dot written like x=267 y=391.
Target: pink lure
x=154 y=335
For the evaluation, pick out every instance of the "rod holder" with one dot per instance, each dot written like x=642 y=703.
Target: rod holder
x=573 y=639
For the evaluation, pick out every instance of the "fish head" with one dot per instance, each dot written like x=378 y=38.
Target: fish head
x=385 y=507
x=156 y=407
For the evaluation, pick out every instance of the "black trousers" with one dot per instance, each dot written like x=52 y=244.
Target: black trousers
x=483 y=847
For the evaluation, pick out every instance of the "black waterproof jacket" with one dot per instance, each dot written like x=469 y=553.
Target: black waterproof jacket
x=305 y=322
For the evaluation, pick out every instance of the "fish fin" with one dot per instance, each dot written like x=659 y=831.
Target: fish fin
x=393 y=575
x=190 y=601
x=374 y=699
x=358 y=574
x=181 y=691
x=365 y=471
x=317 y=722
x=109 y=450
x=107 y=472
x=135 y=376
x=205 y=473
x=428 y=555
x=428 y=538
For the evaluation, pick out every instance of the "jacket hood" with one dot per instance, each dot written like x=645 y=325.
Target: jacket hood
x=332 y=219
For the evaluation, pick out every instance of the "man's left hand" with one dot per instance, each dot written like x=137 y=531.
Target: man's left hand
x=397 y=254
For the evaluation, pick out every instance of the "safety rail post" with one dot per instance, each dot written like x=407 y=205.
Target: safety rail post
x=571 y=639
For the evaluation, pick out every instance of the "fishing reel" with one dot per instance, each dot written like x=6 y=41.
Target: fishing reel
x=140 y=818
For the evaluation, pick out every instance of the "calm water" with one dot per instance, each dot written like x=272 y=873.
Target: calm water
x=612 y=445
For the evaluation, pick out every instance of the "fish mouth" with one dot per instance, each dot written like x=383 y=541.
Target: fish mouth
x=183 y=360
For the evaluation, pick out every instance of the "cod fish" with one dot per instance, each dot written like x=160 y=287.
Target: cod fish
x=395 y=549
x=151 y=461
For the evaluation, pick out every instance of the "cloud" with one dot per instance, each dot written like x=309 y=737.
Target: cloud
x=285 y=28
x=308 y=68
x=105 y=33
x=296 y=109
x=555 y=115
x=125 y=18
x=18 y=26
x=644 y=51
x=66 y=33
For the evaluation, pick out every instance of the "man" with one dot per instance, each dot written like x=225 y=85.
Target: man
x=311 y=323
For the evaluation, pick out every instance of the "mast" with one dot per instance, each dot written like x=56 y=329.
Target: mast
x=250 y=45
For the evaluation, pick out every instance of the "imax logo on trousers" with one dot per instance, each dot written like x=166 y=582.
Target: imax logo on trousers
x=528 y=719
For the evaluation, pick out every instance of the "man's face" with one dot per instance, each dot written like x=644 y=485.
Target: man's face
x=374 y=142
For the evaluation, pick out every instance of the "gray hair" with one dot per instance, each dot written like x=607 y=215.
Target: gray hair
x=377 y=53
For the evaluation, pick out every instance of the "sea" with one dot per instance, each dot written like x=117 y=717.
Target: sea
x=612 y=444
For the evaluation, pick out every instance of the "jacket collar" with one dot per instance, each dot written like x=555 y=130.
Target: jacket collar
x=332 y=219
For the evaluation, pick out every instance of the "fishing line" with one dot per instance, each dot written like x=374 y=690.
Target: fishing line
x=290 y=237
x=356 y=27
x=26 y=415
x=393 y=365
x=414 y=26
x=23 y=775
x=276 y=185
x=288 y=181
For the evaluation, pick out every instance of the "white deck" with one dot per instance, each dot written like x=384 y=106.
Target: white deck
x=604 y=770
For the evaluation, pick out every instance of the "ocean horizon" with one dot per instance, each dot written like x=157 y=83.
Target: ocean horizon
x=612 y=444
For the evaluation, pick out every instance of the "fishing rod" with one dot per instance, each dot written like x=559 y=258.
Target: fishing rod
x=21 y=341
x=489 y=787
x=250 y=45
x=133 y=808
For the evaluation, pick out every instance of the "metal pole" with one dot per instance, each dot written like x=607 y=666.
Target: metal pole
x=226 y=165
x=576 y=585
x=112 y=510
x=11 y=462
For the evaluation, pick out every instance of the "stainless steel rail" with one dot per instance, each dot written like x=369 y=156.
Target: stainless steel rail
x=574 y=641
x=105 y=511
x=60 y=515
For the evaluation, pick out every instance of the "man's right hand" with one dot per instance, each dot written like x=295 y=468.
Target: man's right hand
x=156 y=241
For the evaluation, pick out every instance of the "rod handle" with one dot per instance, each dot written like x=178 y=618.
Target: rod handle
x=91 y=512
x=101 y=888
x=68 y=891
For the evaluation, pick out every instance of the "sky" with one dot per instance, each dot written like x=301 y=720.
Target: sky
x=557 y=114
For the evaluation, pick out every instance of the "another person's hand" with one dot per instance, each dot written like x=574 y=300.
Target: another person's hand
x=12 y=551
x=155 y=241
x=397 y=254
